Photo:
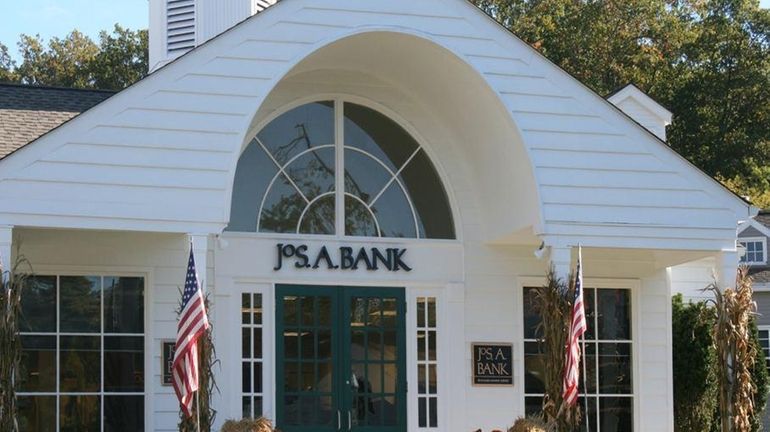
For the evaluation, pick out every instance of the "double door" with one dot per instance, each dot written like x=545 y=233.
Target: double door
x=340 y=359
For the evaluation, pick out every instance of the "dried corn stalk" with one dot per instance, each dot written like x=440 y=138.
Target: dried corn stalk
x=11 y=284
x=551 y=302
x=734 y=308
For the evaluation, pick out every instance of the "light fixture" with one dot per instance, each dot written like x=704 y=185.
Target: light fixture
x=540 y=251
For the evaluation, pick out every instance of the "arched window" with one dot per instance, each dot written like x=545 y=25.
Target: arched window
x=338 y=168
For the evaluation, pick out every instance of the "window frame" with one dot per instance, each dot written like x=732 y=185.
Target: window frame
x=766 y=328
x=339 y=99
x=762 y=240
x=152 y=345
x=634 y=287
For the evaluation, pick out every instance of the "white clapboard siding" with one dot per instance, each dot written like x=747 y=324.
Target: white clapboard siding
x=198 y=110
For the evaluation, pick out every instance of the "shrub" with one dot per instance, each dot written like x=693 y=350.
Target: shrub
x=532 y=424
x=248 y=425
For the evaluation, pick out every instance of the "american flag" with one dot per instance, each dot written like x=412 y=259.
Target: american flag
x=192 y=324
x=576 y=329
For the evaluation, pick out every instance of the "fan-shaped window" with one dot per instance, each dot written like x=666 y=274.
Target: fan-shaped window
x=371 y=178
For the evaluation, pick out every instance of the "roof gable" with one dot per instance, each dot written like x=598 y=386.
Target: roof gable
x=178 y=133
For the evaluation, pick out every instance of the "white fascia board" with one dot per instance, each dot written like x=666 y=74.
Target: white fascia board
x=633 y=92
x=753 y=223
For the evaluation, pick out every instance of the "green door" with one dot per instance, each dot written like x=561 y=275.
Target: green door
x=340 y=359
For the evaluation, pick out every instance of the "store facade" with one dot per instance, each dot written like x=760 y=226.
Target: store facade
x=364 y=186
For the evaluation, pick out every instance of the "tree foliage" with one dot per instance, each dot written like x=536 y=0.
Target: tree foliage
x=118 y=60
x=708 y=61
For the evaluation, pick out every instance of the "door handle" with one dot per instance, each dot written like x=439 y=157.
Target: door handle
x=350 y=421
x=339 y=420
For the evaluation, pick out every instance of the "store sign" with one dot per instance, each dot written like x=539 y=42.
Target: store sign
x=492 y=364
x=167 y=348
x=342 y=258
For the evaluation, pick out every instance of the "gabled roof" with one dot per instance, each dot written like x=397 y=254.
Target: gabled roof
x=27 y=112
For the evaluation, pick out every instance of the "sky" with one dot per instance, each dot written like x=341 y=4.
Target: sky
x=59 y=17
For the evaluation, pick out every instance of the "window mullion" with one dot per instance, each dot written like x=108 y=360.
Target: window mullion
x=339 y=172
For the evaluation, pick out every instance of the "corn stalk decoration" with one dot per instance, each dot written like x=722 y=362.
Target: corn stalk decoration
x=207 y=359
x=11 y=284
x=734 y=308
x=551 y=303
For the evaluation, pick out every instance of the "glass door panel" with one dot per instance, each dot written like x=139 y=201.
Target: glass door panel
x=340 y=359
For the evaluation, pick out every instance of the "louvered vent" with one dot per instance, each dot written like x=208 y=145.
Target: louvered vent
x=260 y=5
x=180 y=26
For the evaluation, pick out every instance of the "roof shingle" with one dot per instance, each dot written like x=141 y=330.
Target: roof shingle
x=27 y=112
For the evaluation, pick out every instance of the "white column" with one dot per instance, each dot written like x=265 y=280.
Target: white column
x=561 y=259
x=727 y=268
x=6 y=243
x=200 y=252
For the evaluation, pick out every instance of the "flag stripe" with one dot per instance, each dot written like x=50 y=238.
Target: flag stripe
x=192 y=324
x=577 y=328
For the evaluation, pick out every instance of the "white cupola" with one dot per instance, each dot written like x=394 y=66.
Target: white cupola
x=642 y=109
x=177 y=26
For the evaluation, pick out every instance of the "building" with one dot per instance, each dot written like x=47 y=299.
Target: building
x=365 y=185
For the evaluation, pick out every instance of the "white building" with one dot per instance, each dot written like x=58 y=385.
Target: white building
x=426 y=149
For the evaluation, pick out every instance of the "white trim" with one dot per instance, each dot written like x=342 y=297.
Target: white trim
x=753 y=223
x=762 y=240
x=149 y=337
x=634 y=286
x=633 y=92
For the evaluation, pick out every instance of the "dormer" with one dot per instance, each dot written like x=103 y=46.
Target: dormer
x=177 y=26
x=642 y=109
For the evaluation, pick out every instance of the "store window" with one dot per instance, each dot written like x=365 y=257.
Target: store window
x=302 y=174
x=427 y=363
x=252 y=363
x=608 y=360
x=83 y=354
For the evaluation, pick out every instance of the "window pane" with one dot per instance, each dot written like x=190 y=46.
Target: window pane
x=535 y=368
x=123 y=305
x=531 y=319
x=615 y=368
x=123 y=364
x=358 y=219
x=123 y=413
x=282 y=208
x=38 y=364
x=80 y=304
x=304 y=127
x=394 y=214
x=257 y=311
x=616 y=414
x=591 y=417
x=614 y=309
x=252 y=176
x=533 y=405
x=80 y=367
x=364 y=176
x=38 y=305
x=589 y=299
x=37 y=413
x=313 y=172
x=368 y=130
x=422 y=182
x=79 y=413
x=319 y=217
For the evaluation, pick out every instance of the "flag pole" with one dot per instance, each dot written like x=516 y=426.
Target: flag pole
x=198 y=407
x=585 y=385
x=583 y=348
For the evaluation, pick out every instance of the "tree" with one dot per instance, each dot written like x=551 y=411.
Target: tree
x=7 y=65
x=119 y=60
x=708 y=61
x=122 y=58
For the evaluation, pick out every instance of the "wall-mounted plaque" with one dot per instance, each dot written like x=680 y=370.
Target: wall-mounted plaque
x=167 y=348
x=492 y=364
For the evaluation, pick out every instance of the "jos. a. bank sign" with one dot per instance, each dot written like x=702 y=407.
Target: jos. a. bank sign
x=342 y=258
